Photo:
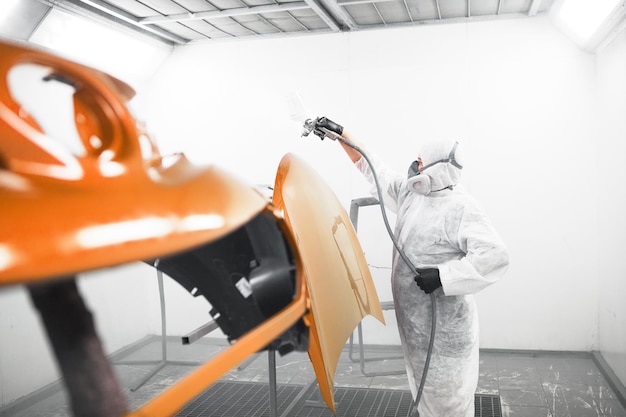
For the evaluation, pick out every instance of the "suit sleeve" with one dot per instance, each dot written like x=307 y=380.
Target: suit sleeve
x=486 y=257
x=390 y=181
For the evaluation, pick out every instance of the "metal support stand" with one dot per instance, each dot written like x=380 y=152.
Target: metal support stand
x=248 y=362
x=194 y=335
x=164 y=361
x=362 y=359
x=317 y=402
x=300 y=398
x=387 y=305
x=271 y=356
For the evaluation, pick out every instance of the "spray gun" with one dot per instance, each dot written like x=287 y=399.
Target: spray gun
x=299 y=112
x=312 y=125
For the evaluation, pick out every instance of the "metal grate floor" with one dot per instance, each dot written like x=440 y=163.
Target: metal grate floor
x=487 y=405
x=248 y=399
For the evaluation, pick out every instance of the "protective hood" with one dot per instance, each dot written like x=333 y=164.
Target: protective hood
x=442 y=163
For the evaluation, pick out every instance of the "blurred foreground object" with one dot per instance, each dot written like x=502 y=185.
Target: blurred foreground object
x=84 y=187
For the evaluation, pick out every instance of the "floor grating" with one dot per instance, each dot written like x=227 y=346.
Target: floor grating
x=248 y=399
x=487 y=405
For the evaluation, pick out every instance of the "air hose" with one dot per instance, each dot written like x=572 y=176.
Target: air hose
x=406 y=260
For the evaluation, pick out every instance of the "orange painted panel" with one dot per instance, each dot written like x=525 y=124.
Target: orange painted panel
x=338 y=278
x=64 y=213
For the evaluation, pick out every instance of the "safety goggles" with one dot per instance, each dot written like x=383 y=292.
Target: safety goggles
x=414 y=167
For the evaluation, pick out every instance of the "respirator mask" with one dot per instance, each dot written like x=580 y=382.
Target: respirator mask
x=440 y=174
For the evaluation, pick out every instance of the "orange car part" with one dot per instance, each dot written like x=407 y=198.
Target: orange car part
x=119 y=201
x=63 y=213
x=338 y=278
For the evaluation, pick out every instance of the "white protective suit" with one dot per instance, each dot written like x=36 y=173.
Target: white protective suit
x=448 y=230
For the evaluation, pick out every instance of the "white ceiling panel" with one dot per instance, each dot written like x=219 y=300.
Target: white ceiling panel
x=179 y=22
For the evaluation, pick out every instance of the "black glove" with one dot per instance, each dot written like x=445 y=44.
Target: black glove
x=328 y=124
x=428 y=279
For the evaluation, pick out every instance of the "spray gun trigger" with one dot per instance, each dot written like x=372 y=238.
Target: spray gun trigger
x=327 y=133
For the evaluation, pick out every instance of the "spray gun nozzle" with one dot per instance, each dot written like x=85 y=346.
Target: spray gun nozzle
x=309 y=126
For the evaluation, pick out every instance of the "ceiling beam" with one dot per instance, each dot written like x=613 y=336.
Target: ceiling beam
x=534 y=7
x=462 y=19
x=275 y=35
x=434 y=21
x=408 y=11
x=324 y=15
x=212 y=14
x=438 y=9
x=109 y=14
x=269 y=23
x=336 y=8
x=380 y=16
x=352 y=2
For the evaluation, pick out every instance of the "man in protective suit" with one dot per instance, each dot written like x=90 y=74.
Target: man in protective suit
x=456 y=251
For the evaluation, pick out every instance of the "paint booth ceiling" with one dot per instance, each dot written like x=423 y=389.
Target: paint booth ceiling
x=179 y=22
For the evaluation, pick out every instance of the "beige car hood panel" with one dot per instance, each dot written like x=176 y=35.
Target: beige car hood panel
x=338 y=279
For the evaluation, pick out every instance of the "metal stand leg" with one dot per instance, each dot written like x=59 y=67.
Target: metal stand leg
x=248 y=362
x=362 y=359
x=300 y=398
x=317 y=402
x=271 y=355
x=387 y=305
x=164 y=361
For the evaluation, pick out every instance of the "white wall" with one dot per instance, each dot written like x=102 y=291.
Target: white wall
x=26 y=360
x=517 y=93
x=611 y=145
